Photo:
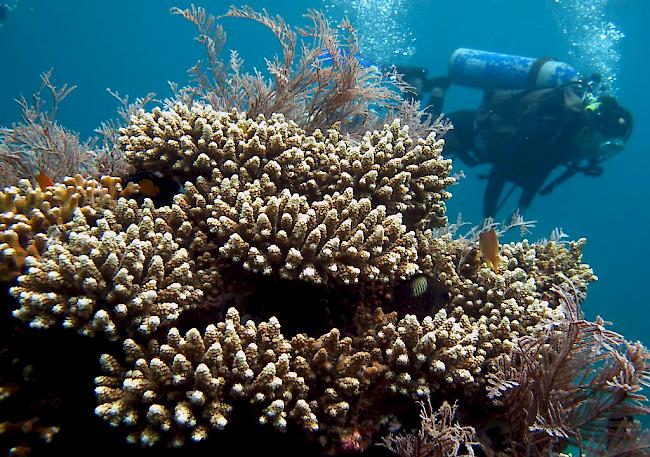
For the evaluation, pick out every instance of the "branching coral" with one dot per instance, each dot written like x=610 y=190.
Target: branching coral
x=186 y=387
x=124 y=270
x=551 y=264
x=307 y=206
x=28 y=212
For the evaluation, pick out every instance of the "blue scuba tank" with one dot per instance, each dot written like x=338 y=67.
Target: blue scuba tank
x=491 y=70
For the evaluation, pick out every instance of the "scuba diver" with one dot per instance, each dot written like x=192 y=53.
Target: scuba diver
x=537 y=115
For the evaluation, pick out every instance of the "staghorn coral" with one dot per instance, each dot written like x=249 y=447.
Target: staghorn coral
x=388 y=165
x=310 y=207
x=234 y=211
x=553 y=263
x=338 y=378
x=533 y=269
x=123 y=272
x=512 y=302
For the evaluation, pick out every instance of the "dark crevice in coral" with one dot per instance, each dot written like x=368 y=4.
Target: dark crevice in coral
x=51 y=385
x=300 y=307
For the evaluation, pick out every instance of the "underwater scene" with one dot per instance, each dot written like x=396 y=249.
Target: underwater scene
x=412 y=228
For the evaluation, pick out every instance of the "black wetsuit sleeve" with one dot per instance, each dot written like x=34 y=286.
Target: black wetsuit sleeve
x=570 y=172
x=593 y=169
x=434 y=105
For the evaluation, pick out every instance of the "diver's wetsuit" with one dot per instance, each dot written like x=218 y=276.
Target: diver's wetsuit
x=525 y=135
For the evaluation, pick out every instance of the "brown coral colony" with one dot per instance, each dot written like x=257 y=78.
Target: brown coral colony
x=303 y=206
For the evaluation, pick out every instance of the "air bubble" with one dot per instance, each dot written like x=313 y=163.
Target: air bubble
x=382 y=27
x=593 y=40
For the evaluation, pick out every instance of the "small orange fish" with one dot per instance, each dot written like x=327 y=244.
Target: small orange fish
x=43 y=180
x=161 y=189
x=488 y=242
x=148 y=188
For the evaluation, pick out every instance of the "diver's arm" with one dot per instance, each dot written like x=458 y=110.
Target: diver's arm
x=593 y=169
x=465 y=155
x=568 y=173
x=459 y=142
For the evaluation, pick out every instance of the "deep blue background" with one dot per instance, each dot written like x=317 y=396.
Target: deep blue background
x=136 y=46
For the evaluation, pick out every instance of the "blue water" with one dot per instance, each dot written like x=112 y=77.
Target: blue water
x=135 y=47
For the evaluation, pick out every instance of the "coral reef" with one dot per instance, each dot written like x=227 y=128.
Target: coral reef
x=201 y=309
x=270 y=198
x=308 y=206
x=186 y=386
x=576 y=382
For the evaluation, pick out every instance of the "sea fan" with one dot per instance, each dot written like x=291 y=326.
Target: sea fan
x=318 y=81
x=439 y=435
x=576 y=384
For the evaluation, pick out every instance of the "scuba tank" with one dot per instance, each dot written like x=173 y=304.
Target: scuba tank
x=491 y=70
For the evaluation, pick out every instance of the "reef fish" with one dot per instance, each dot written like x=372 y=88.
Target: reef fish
x=421 y=295
x=326 y=58
x=43 y=180
x=148 y=188
x=160 y=189
x=488 y=243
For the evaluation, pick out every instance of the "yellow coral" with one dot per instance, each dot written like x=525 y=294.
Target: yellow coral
x=28 y=212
